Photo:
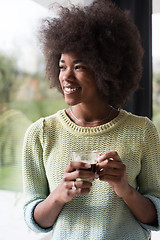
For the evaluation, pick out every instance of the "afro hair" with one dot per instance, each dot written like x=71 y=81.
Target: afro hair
x=106 y=39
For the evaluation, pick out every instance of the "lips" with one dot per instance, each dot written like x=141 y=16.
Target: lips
x=70 y=90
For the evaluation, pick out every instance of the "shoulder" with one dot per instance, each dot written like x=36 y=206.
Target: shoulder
x=53 y=119
x=137 y=120
x=44 y=123
x=35 y=127
x=140 y=123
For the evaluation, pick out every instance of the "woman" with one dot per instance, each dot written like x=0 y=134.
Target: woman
x=93 y=56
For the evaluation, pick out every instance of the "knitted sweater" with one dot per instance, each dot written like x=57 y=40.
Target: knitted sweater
x=101 y=214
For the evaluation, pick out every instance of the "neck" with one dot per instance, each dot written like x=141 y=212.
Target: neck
x=91 y=117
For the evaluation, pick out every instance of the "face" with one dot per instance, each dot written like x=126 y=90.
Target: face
x=77 y=80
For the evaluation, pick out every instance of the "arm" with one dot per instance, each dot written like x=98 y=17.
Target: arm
x=114 y=172
x=42 y=208
x=142 y=208
x=35 y=184
x=47 y=211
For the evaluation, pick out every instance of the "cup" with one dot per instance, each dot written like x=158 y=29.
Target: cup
x=87 y=157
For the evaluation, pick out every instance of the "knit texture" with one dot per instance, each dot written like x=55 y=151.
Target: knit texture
x=100 y=215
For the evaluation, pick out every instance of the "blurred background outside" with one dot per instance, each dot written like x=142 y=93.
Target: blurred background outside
x=24 y=98
x=24 y=92
x=25 y=95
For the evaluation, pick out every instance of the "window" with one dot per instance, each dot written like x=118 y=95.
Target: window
x=156 y=68
x=24 y=98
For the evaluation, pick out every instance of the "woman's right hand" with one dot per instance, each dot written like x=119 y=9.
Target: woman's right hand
x=65 y=191
x=47 y=211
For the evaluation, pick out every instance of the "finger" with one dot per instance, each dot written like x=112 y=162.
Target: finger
x=77 y=165
x=86 y=174
x=79 y=187
x=83 y=191
x=109 y=178
x=83 y=184
x=110 y=155
x=111 y=172
x=110 y=164
x=80 y=174
x=101 y=165
x=78 y=184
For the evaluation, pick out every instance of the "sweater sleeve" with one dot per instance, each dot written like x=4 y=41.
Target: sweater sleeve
x=149 y=177
x=35 y=182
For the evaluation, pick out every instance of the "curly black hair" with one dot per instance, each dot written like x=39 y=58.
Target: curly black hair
x=107 y=40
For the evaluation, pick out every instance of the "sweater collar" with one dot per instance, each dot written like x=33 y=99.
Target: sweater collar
x=75 y=129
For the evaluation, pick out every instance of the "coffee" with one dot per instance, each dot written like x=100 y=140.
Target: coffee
x=92 y=168
x=89 y=157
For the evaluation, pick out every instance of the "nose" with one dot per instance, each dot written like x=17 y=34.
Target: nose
x=64 y=77
x=68 y=75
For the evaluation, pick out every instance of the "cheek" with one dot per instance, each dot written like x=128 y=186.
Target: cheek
x=90 y=80
x=60 y=78
x=60 y=75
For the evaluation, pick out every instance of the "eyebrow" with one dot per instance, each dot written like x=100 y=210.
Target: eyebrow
x=74 y=61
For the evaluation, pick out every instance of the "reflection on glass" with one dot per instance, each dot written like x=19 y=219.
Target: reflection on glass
x=13 y=124
x=24 y=98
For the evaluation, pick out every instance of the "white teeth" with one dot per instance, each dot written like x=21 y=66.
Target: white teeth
x=70 y=90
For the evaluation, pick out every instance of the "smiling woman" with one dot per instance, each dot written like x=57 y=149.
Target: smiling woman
x=97 y=75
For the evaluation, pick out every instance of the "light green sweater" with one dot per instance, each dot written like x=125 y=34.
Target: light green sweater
x=100 y=215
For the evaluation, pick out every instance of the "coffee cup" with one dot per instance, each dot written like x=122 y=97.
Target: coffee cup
x=89 y=157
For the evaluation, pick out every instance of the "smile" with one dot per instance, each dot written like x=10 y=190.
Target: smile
x=69 y=90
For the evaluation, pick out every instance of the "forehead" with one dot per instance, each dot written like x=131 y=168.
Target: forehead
x=70 y=57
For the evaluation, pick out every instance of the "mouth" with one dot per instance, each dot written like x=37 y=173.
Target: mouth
x=70 y=90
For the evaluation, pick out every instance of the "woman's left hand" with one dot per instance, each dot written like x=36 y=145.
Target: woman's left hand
x=111 y=169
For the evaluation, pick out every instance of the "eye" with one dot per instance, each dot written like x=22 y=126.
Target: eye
x=61 y=68
x=80 y=67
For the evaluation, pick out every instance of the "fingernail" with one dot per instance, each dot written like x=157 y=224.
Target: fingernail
x=87 y=165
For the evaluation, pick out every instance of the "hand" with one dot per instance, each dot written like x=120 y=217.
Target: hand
x=64 y=191
x=111 y=169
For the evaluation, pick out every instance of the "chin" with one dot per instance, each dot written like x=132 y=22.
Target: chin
x=71 y=102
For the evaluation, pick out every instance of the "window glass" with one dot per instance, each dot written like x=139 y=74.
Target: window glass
x=156 y=68
x=24 y=98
